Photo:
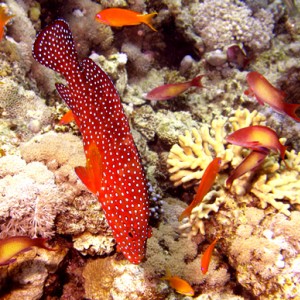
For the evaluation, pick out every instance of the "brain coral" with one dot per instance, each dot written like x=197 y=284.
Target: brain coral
x=223 y=22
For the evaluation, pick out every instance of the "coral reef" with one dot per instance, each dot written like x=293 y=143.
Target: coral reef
x=42 y=195
x=30 y=199
x=257 y=255
x=221 y=23
x=30 y=273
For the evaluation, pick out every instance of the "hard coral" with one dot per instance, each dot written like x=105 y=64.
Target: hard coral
x=221 y=23
x=274 y=184
x=81 y=213
x=112 y=279
x=197 y=149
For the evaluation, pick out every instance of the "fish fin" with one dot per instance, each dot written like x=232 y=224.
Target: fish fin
x=42 y=243
x=64 y=93
x=147 y=19
x=249 y=92
x=184 y=214
x=54 y=48
x=67 y=118
x=197 y=81
x=168 y=275
x=290 y=110
x=96 y=77
x=282 y=156
x=8 y=262
x=229 y=181
x=91 y=175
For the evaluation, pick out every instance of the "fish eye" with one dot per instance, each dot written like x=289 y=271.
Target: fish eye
x=130 y=234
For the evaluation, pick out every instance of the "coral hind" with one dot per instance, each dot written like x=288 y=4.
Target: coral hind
x=97 y=109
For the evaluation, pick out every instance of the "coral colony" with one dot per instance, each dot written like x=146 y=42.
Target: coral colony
x=113 y=170
x=223 y=178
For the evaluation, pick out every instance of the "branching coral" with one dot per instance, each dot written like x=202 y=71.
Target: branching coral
x=274 y=185
x=197 y=149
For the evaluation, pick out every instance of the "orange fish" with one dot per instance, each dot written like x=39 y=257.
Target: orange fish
x=205 y=185
x=4 y=18
x=206 y=257
x=168 y=91
x=15 y=245
x=119 y=17
x=259 y=138
x=264 y=92
x=179 y=285
x=250 y=163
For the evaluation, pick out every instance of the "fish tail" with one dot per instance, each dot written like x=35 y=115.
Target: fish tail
x=197 y=81
x=184 y=214
x=282 y=155
x=42 y=243
x=290 y=109
x=54 y=48
x=147 y=19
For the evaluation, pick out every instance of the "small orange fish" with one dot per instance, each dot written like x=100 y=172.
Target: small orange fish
x=15 y=245
x=264 y=92
x=206 y=257
x=119 y=17
x=205 y=185
x=168 y=91
x=91 y=175
x=4 y=18
x=259 y=138
x=179 y=285
x=250 y=163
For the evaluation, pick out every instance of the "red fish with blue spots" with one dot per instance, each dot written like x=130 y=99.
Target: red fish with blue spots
x=113 y=170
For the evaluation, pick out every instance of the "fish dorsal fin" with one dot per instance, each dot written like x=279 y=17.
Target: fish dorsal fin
x=64 y=93
x=91 y=174
x=98 y=81
x=54 y=48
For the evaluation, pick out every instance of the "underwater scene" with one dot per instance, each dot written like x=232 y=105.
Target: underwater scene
x=149 y=149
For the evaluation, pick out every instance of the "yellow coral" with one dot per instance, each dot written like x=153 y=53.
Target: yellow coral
x=188 y=160
x=196 y=149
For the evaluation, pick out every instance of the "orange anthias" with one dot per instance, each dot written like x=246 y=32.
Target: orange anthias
x=12 y=246
x=4 y=18
x=179 y=285
x=205 y=185
x=250 y=163
x=265 y=92
x=206 y=257
x=118 y=17
x=168 y=91
x=259 y=138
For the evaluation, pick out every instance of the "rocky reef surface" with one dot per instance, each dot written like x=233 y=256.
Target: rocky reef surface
x=257 y=220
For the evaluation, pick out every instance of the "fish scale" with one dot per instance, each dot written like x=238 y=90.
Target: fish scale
x=98 y=111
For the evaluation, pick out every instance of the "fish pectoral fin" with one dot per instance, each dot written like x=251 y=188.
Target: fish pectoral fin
x=83 y=175
x=91 y=175
x=64 y=93
x=67 y=118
